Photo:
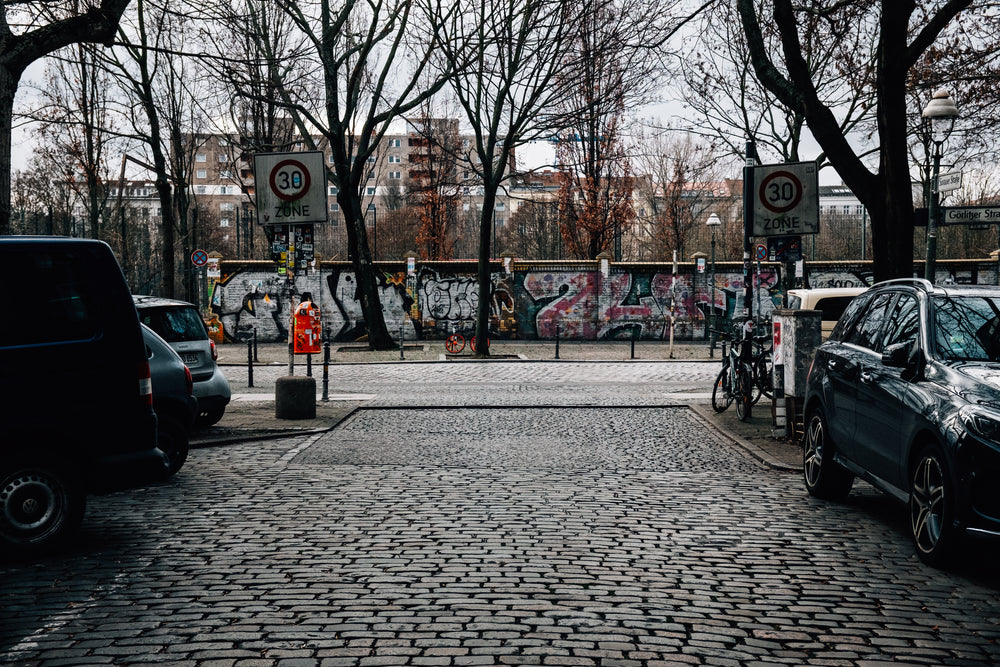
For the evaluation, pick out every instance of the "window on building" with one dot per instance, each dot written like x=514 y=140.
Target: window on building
x=394 y=143
x=466 y=175
x=371 y=175
x=223 y=157
x=223 y=190
x=329 y=158
x=224 y=222
x=371 y=159
x=499 y=206
x=227 y=206
x=859 y=210
x=395 y=159
x=847 y=210
x=395 y=175
x=334 y=206
x=370 y=191
x=225 y=173
x=201 y=173
x=201 y=157
x=333 y=190
x=200 y=190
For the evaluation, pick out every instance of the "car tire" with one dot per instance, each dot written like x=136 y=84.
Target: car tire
x=721 y=398
x=210 y=417
x=824 y=477
x=932 y=508
x=173 y=441
x=40 y=506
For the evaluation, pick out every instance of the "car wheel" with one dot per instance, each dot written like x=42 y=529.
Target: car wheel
x=932 y=508
x=210 y=417
x=721 y=398
x=824 y=477
x=172 y=440
x=39 y=507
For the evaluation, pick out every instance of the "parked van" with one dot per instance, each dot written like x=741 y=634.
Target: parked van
x=76 y=402
x=830 y=300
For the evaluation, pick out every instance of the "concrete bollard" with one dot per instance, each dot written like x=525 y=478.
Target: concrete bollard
x=295 y=397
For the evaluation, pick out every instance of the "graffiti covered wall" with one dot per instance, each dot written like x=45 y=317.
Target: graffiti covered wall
x=528 y=300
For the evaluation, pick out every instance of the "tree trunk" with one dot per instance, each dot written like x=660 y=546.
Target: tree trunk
x=8 y=87
x=484 y=278
x=366 y=277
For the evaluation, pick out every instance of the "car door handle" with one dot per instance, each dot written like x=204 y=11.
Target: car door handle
x=831 y=364
x=866 y=377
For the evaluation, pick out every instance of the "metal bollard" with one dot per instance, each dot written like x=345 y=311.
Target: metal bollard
x=326 y=371
x=309 y=365
x=249 y=364
x=557 y=340
x=255 y=346
x=402 y=323
x=633 y=342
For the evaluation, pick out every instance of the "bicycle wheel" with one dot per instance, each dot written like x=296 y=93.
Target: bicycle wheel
x=721 y=397
x=472 y=343
x=744 y=389
x=455 y=343
x=763 y=372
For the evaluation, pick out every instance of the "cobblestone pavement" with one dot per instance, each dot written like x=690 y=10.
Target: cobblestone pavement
x=490 y=531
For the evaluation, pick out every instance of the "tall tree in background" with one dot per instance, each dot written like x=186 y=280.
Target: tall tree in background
x=371 y=60
x=901 y=35
x=507 y=57
x=74 y=123
x=679 y=184
x=617 y=70
x=42 y=28
x=434 y=185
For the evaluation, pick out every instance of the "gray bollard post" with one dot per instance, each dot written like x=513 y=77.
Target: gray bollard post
x=256 y=360
x=309 y=365
x=633 y=342
x=249 y=364
x=326 y=371
x=557 y=340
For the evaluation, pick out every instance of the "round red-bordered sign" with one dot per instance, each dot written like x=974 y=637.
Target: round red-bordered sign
x=780 y=191
x=199 y=258
x=289 y=180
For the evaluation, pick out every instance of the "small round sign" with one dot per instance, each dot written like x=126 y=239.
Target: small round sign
x=199 y=258
x=780 y=191
x=760 y=251
x=289 y=180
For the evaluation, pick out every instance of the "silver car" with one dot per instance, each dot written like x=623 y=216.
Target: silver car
x=180 y=324
x=173 y=399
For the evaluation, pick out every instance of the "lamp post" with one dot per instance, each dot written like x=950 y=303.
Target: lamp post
x=941 y=113
x=371 y=207
x=713 y=222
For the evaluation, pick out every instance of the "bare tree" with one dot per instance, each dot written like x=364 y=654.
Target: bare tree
x=901 y=34
x=29 y=31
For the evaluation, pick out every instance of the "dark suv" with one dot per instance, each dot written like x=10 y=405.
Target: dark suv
x=906 y=395
x=76 y=404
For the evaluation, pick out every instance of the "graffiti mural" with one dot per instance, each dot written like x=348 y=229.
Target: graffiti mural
x=252 y=300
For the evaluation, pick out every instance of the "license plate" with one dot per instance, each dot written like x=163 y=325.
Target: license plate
x=189 y=358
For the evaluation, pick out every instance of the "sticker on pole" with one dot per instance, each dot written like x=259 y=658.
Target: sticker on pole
x=786 y=199
x=290 y=188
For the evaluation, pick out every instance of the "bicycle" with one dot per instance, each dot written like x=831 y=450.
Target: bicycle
x=735 y=381
x=455 y=343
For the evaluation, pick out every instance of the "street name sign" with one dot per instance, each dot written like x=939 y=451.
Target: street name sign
x=969 y=215
x=949 y=182
x=786 y=199
x=290 y=188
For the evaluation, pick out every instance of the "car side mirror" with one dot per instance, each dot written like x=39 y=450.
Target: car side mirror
x=896 y=356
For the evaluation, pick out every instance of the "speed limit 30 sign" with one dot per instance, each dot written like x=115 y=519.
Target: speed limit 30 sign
x=786 y=199
x=290 y=188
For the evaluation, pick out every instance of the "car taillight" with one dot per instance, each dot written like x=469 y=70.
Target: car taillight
x=215 y=352
x=188 y=380
x=145 y=384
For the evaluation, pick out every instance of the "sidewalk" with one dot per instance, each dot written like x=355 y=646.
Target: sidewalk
x=255 y=420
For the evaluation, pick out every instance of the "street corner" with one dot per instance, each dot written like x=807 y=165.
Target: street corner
x=256 y=419
x=757 y=436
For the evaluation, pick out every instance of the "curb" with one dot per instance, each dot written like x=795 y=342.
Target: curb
x=753 y=450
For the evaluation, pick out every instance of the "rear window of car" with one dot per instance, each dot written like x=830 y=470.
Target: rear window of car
x=175 y=325
x=61 y=309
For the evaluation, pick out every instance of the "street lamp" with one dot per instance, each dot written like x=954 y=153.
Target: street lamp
x=941 y=113
x=371 y=207
x=713 y=222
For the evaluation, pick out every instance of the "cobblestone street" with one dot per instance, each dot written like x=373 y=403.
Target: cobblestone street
x=486 y=531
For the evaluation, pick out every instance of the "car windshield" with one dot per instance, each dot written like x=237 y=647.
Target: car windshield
x=967 y=328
